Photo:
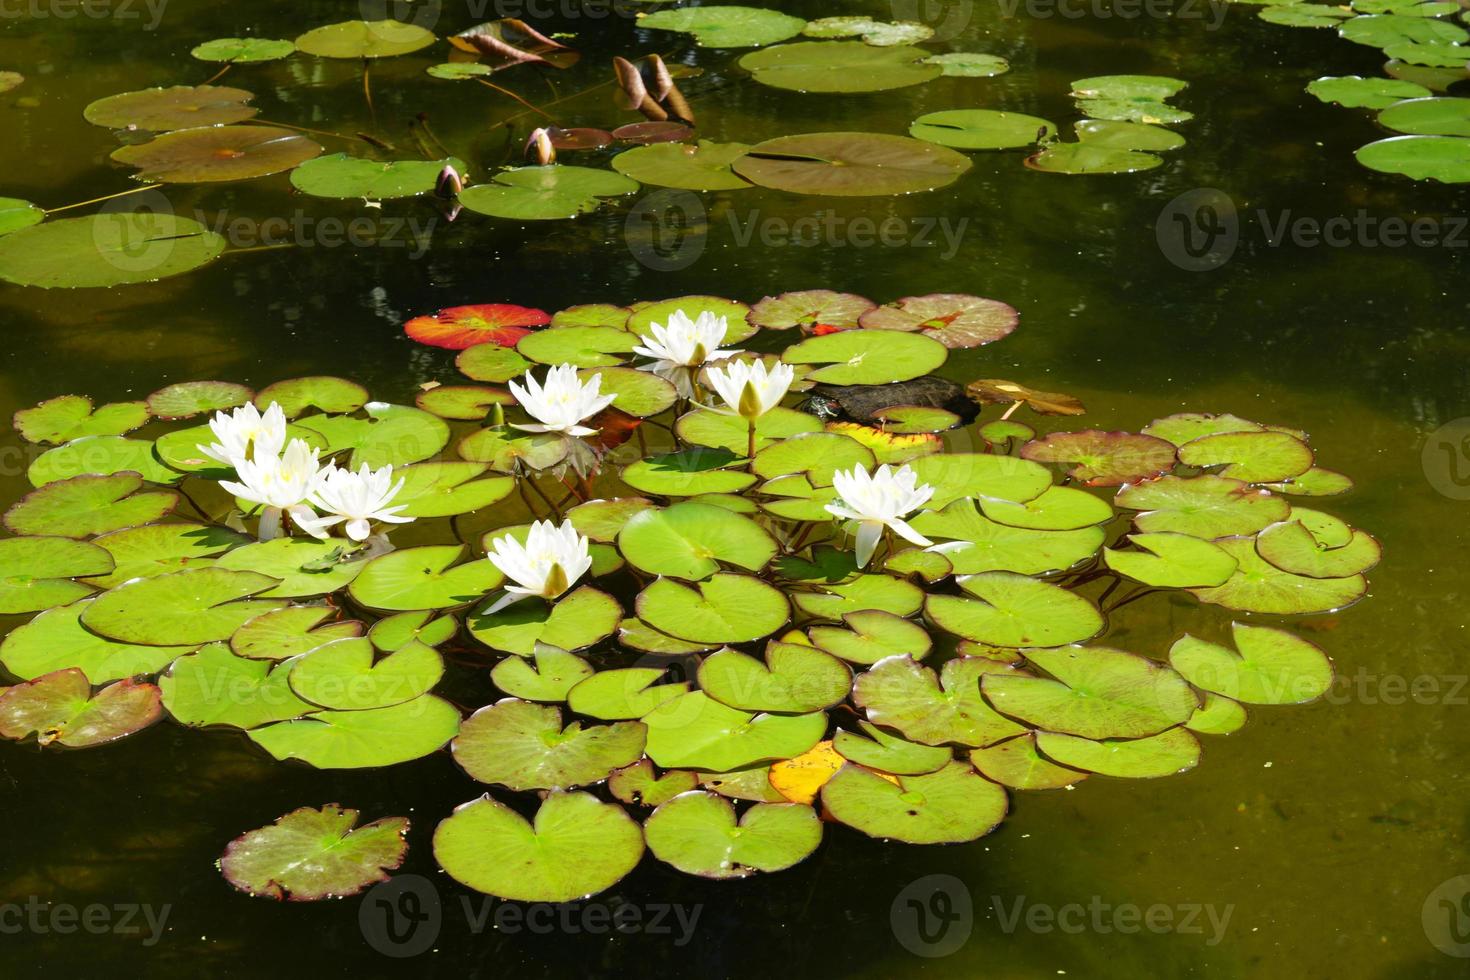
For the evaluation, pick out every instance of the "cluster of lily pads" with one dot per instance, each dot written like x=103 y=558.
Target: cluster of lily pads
x=730 y=623
x=1427 y=53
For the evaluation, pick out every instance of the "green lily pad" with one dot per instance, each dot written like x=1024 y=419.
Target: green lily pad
x=397 y=631
x=640 y=394
x=303 y=566
x=725 y=608
x=1088 y=158
x=1172 y=561
x=1315 y=482
x=15 y=213
x=1384 y=30
x=175 y=107
x=1143 y=111
x=157 y=549
x=545 y=193
x=1217 y=716
x=638 y=635
x=950 y=806
x=1442 y=158
x=576 y=620
x=637 y=784
x=523 y=746
x=322 y=392
x=881 y=593
x=694 y=731
x=1011 y=610
x=345 y=675
x=1056 y=509
x=623 y=694
x=193 y=606
x=36 y=572
x=243 y=50
x=1106 y=459
x=746 y=784
x=216 y=687
x=61 y=707
x=216 y=153
x=444 y=489
x=364 y=39
x=692 y=541
x=363 y=739
x=1304 y=15
x=697 y=833
x=109 y=249
x=888 y=753
x=342 y=175
x=1441 y=54
x=859 y=357
x=840 y=66
x=313 y=854
x=919 y=564
x=1094 y=692
x=1292 y=547
x=1202 y=506
x=508 y=450
x=966 y=64
x=982 y=129
x=736 y=314
x=459 y=70
x=1155 y=87
x=815 y=455
x=56 y=640
x=1259 y=586
x=1016 y=763
x=794 y=679
x=957 y=475
x=87 y=505
x=601 y=520
x=726 y=26
x=578 y=846
x=1357 y=92
x=901 y=694
x=1256 y=457
x=68 y=417
x=584 y=347
x=872 y=635
x=1272 y=667
x=704 y=166
x=688 y=473
x=189 y=398
x=391 y=435
x=810 y=308
x=1113 y=135
x=851 y=165
x=1183 y=427
x=547 y=676
x=977 y=544
x=912 y=419
x=591 y=315
x=430 y=577
x=468 y=402
x=1165 y=754
x=290 y=632
x=1428 y=117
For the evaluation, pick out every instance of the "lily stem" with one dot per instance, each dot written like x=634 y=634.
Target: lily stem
x=219 y=74
x=555 y=510
x=505 y=91
x=98 y=200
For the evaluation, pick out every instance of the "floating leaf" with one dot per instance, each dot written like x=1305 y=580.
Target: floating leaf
x=793 y=679
x=314 y=854
x=459 y=70
x=840 y=66
x=108 y=249
x=577 y=847
x=60 y=707
x=214 y=153
x=1293 y=547
x=1385 y=30
x=967 y=64
x=1056 y=509
x=61 y=419
x=1304 y=15
x=216 y=687
x=626 y=693
x=462 y=327
x=509 y=450
x=1315 y=482
x=856 y=357
x=688 y=473
x=391 y=435
x=585 y=347
x=243 y=50
x=1218 y=716
x=1442 y=158
x=1015 y=611
x=302 y=566
x=545 y=193
x=578 y=619
x=363 y=739
x=888 y=753
x=851 y=165
x=1259 y=586
x=1203 y=506
x=193 y=606
x=15 y=213
x=1188 y=426
x=1016 y=763
x=691 y=541
x=1170 y=752
x=156 y=549
x=697 y=833
x=176 y=107
x=1133 y=110
x=342 y=175
x=956 y=475
x=978 y=544
x=397 y=631
x=645 y=133
x=1095 y=692
x=872 y=635
x=952 y=805
x=1356 y=92
x=346 y=676
x=523 y=746
x=1088 y=158
x=468 y=402
x=36 y=572
x=1442 y=54
x=901 y=694
x=981 y=129
x=746 y=784
x=1113 y=135
x=1172 y=561
x=444 y=489
x=364 y=39
x=810 y=309
x=801 y=778
x=289 y=632
x=1272 y=667
x=424 y=578
x=694 y=731
x=637 y=784
x=735 y=313
x=703 y=167
x=638 y=635
x=548 y=676
x=725 y=608
x=726 y=26
x=1256 y=457
x=56 y=640
x=953 y=319
x=190 y=398
x=87 y=505
x=1153 y=87
x=325 y=393
x=1105 y=459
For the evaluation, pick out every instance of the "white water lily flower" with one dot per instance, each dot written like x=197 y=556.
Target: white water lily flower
x=563 y=402
x=357 y=498
x=682 y=346
x=548 y=564
x=879 y=501
x=748 y=388
x=279 y=483
x=245 y=431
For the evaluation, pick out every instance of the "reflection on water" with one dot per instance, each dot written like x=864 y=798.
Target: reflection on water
x=1308 y=844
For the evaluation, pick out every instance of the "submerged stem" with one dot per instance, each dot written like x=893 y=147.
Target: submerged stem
x=528 y=105
x=98 y=200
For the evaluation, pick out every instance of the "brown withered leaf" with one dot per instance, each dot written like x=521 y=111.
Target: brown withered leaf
x=995 y=391
x=509 y=41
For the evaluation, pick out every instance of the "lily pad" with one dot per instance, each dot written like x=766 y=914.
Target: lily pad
x=956 y=475
x=1272 y=667
x=545 y=193
x=109 y=249
x=1259 y=586
x=243 y=50
x=444 y=489
x=396 y=631
x=523 y=746
x=1113 y=135
x=290 y=632
x=637 y=784
x=810 y=309
x=851 y=165
x=346 y=675
x=1011 y=610
x=363 y=739
x=694 y=731
x=859 y=357
x=1384 y=30
x=36 y=572
x=702 y=167
x=640 y=394
x=1172 y=561
x=576 y=620
x=1165 y=754
x=1255 y=457
x=693 y=540
x=157 y=549
x=193 y=606
x=216 y=687
x=885 y=752
x=313 y=854
x=342 y=175
x=1016 y=763
x=578 y=846
x=466 y=402
x=901 y=694
x=215 y=153
x=697 y=833
x=736 y=315
x=725 y=608
x=1202 y=506
x=189 y=398
x=15 y=213
x=726 y=26
x=175 y=107
x=1143 y=111
x=1156 y=87
x=982 y=129
x=61 y=708
x=967 y=64
x=547 y=676
x=1292 y=546
x=509 y=450
x=793 y=679
x=364 y=39
x=1106 y=459
x=1218 y=716
x=1056 y=509
x=302 y=566
x=462 y=327
x=953 y=319
x=1442 y=158
x=1094 y=692
x=840 y=66
x=430 y=577
x=638 y=635
x=1357 y=92
x=56 y=640
x=87 y=505
x=1315 y=482
x=977 y=544
x=1441 y=54
x=623 y=694
x=872 y=635
x=1304 y=15
x=584 y=347
x=67 y=417
x=688 y=473
x=1088 y=158
x=950 y=806
x=322 y=392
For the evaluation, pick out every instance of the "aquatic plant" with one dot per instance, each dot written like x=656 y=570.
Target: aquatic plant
x=710 y=619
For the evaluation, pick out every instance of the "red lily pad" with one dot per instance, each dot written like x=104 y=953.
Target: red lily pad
x=644 y=133
x=214 y=153
x=581 y=138
x=461 y=327
x=814 y=310
x=60 y=707
x=1104 y=459
x=851 y=164
x=175 y=107
x=953 y=319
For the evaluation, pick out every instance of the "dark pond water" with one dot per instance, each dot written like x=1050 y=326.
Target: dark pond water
x=1305 y=845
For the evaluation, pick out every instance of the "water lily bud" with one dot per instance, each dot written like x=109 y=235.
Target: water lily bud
x=497 y=416
x=540 y=148
x=449 y=183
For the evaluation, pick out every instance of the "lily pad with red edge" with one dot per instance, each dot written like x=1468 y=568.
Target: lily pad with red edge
x=997 y=391
x=649 y=133
x=461 y=327
x=1255 y=457
x=67 y=417
x=840 y=66
x=175 y=107
x=217 y=153
x=189 y=398
x=810 y=309
x=60 y=707
x=466 y=402
x=851 y=164
x=953 y=319
x=1259 y=586
x=1104 y=459
x=1204 y=506
x=311 y=854
x=322 y=392
x=581 y=138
